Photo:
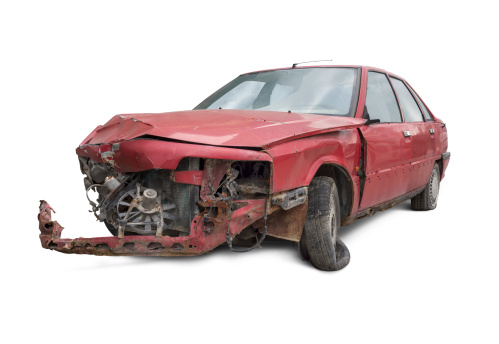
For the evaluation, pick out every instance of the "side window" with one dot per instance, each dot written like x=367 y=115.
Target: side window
x=380 y=100
x=425 y=110
x=410 y=108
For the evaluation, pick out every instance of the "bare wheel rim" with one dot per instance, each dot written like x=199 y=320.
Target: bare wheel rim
x=434 y=185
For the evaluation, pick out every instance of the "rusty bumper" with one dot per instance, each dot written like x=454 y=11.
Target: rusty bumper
x=203 y=237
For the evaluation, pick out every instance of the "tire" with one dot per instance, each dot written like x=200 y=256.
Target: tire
x=427 y=199
x=303 y=248
x=325 y=250
x=111 y=228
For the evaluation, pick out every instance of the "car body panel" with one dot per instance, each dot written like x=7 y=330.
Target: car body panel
x=386 y=152
x=142 y=155
x=233 y=128
x=296 y=162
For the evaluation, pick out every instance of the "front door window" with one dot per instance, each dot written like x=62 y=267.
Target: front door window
x=380 y=100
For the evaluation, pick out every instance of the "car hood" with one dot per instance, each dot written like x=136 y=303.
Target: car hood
x=232 y=128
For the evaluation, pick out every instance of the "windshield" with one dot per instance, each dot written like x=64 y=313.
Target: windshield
x=323 y=91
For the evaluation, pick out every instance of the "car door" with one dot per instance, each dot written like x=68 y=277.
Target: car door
x=422 y=136
x=434 y=129
x=387 y=148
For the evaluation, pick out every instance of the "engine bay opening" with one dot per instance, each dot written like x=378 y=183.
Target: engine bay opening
x=155 y=203
x=246 y=180
x=144 y=203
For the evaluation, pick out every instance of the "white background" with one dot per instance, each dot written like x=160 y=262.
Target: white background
x=414 y=277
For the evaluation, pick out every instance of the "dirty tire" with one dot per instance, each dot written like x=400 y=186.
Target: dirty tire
x=427 y=199
x=303 y=248
x=113 y=230
x=326 y=251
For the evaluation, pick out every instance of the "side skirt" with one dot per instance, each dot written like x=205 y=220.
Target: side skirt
x=381 y=207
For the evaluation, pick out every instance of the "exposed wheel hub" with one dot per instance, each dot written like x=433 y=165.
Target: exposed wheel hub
x=139 y=211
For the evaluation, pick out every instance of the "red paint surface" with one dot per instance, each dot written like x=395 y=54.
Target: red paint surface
x=142 y=155
x=234 y=128
x=188 y=177
x=296 y=162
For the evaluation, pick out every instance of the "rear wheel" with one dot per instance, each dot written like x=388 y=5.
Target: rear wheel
x=427 y=199
x=323 y=220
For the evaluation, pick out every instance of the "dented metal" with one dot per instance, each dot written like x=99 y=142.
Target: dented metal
x=199 y=240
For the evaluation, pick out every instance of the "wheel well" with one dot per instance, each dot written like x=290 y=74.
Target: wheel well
x=344 y=184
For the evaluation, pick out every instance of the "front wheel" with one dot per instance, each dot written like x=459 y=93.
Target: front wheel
x=323 y=220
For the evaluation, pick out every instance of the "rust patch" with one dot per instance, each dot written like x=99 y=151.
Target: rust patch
x=199 y=240
x=107 y=153
x=214 y=171
x=285 y=224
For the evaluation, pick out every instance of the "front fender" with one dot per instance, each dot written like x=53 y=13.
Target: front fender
x=296 y=162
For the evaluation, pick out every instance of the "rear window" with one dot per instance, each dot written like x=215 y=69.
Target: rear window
x=425 y=110
x=409 y=107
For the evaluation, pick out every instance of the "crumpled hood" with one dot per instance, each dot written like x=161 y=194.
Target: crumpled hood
x=234 y=128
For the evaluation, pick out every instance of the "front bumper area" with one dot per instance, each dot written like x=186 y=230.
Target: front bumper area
x=202 y=238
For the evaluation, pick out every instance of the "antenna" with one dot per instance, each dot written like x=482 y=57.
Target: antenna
x=294 y=64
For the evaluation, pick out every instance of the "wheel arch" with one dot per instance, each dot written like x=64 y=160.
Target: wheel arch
x=343 y=182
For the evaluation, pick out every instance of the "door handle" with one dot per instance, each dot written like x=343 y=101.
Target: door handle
x=407 y=133
x=432 y=131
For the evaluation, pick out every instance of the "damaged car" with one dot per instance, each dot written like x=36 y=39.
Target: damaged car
x=291 y=153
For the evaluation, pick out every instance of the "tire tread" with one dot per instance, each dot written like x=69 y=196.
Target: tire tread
x=319 y=245
x=421 y=202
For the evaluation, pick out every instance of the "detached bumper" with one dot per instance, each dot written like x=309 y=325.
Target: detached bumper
x=202 y=238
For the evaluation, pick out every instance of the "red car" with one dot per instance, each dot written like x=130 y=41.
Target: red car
x=291 y=153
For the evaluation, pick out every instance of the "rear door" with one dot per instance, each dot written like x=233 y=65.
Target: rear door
x=432 y=127
x=388 y=146
x=422 y=136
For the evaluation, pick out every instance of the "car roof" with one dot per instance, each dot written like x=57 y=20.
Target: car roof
x=302 y=67
x=329 y=66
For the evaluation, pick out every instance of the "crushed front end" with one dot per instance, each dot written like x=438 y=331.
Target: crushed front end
x=165 y=198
